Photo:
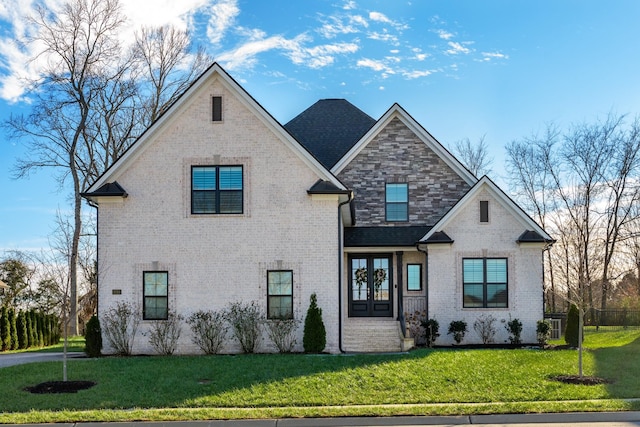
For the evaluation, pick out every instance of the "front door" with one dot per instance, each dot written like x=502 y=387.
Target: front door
x=370 y=286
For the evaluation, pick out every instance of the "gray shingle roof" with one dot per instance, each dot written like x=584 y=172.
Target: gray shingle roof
x=329 y=128
x=384 y=236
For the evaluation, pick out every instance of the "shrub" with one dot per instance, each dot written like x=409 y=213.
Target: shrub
x=431 y=328
x=120 y=327
x=282 y=333
x=315 y=335
x=543 y=332
x=13 y=329
x=5 y=329
x=21 y=325
x=484 y=327
x=92 y=337
x=245 y=324
x=164 y=334
x=415 y=323
x=457 y=328
x=573 y=325
x=514 y=327
x=209 y=330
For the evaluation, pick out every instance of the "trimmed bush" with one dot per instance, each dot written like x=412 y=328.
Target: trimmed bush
x=93 y=337
x=21 y=325
x=573 y=326
x=431 y=328
x=514 y=327
x=543 y=332
x=5 y=330
x=164 y=334
x=282 y=333
x=13 y=329
x=315 y=335
x=120 y=327
x=245 y=324
x=485 y=329
x=457 y=328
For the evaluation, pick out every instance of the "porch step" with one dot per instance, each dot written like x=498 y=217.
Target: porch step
x=371 y=335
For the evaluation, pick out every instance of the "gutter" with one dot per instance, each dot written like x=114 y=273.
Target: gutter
x=341 y=267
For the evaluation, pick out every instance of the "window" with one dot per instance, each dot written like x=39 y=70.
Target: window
x=484 y=211
x=414 y=277
x=216 y=189
x=397 y=202
x=280 y=294
x=156 y=292
x=485 y=282
x=216 y=108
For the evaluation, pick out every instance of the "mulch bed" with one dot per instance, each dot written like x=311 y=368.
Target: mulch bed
x=577 y=379
x=60 y=387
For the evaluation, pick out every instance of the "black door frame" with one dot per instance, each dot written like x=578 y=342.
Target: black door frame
x=370 y=307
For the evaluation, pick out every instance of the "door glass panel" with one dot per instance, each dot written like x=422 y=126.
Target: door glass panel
x=359 y=279
x=381 y=279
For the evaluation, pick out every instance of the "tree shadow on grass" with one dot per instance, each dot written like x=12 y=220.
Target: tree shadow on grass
x=621 y=367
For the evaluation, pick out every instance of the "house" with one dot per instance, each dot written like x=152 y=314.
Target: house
x=217 y=203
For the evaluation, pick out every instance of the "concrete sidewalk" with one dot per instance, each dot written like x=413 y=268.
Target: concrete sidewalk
x=583 y=419
x=22 y=358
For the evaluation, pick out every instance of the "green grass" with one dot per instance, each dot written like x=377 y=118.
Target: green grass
x=75 y=344
x=442 y=381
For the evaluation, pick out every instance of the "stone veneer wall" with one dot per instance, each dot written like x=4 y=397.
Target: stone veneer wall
x=396 y=154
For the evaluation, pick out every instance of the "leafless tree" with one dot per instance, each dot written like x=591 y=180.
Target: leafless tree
x=95 y=97
x=474 y=157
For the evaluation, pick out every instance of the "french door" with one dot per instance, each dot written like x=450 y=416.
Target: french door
x=370 y=286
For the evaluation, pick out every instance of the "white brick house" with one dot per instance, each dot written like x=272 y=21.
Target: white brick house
x=218 y=203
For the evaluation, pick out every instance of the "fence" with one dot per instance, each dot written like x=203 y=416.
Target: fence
x=622 y=318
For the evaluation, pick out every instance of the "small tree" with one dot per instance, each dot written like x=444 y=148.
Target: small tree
x=209 y=330
x=315 y=336
x=571 y=332
x=245 y=324
x=514 y=327
x=431 y=328
x=21 y=325
x=457 y=328
x=93 y=337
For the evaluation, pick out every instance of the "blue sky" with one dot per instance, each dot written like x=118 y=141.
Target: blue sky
x=462 y=68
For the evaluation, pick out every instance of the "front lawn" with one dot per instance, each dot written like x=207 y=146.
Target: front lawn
x=442 y=381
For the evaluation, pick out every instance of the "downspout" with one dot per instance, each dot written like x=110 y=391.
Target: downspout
x=340 y=267
x=95 y=205
x=426 y=279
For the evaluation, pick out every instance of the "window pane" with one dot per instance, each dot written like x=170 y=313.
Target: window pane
x=203 y=202
x=414 y=279
x=397 y=212
x=397 y=193
x=280 y=307
x=473 y=295
x=216 y=108
x=230 y=178
x=381 y=279
x=484 y=211
x=203 y=178
x=230 y=201
x=155 y=308
x=472 y=270
x=280 y=282
x=359 y=278
x=496 y=295
x=496 y=271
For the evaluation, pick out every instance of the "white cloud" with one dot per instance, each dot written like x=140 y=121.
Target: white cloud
x=223 y=16
x=375 y=65
x=384 y=36
x=488 y=56
x=349 y=5
x=379 y=17
x=445 y=35
x=456 y=48
x=417 y=74
x=381 y=88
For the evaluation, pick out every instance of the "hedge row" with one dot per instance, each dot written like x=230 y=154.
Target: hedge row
x=27 y=329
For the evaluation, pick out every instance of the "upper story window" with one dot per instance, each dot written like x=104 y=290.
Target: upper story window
x=280 y=294
x=155 y=295
x=216 y=190
x=485 y=282
x=397 y=202
x=216 y=108
x=484 y=211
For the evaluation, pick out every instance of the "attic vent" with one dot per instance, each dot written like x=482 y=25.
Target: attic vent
x=216 y=108
x=484 y=211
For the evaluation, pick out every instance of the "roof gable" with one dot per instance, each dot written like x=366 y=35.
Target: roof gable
x=157 y=127
x=329 y=128
x=396 y=111
x=529 y=225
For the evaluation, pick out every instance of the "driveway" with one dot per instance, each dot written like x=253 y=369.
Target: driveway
x=22 y=358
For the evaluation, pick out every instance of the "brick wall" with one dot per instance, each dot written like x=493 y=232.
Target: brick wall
x=214 y=260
